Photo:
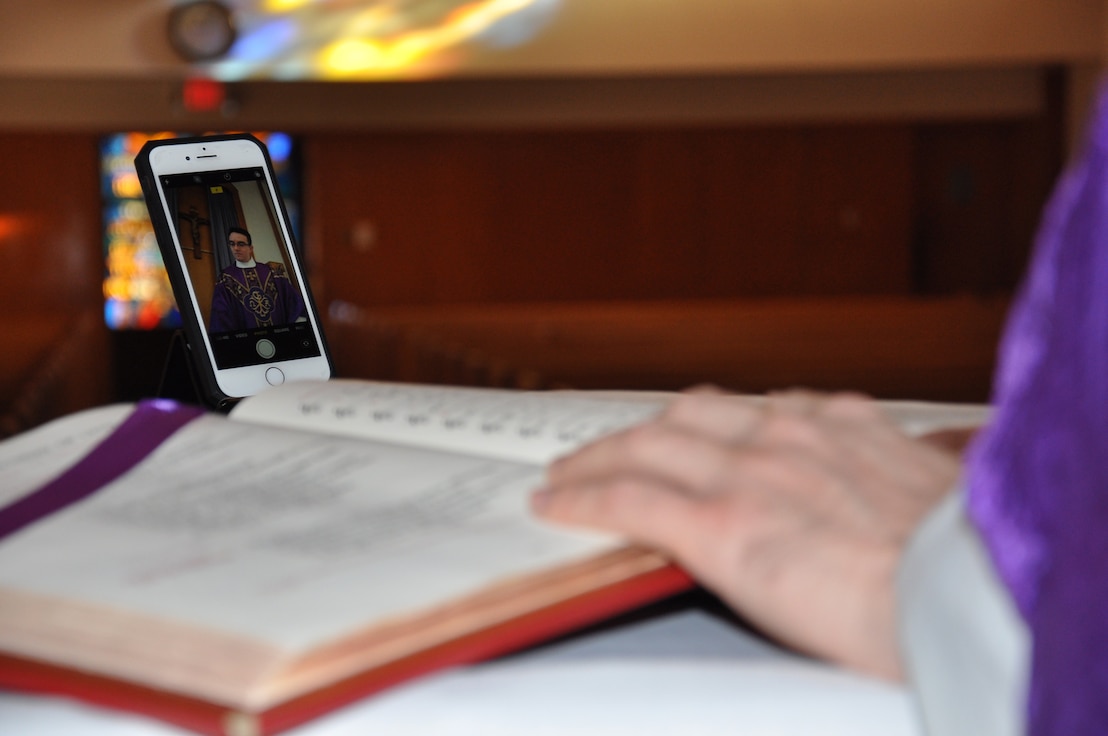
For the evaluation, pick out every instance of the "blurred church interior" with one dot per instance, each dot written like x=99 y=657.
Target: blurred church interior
x=554 y=193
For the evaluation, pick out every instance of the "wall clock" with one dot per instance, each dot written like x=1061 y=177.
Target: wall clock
x=202 y=30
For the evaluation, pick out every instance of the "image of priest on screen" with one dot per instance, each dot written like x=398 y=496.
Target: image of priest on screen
x=249 y=294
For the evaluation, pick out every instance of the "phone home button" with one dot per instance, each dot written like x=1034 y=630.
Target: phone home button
x=274 y=376
x=265 y=348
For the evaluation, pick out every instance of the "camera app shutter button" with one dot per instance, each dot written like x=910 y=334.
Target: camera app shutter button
x=265 y=348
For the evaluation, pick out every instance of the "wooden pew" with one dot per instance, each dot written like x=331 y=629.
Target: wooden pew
x=890 y=347
x=53 y=364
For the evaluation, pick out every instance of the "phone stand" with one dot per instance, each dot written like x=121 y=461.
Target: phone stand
x=179 y=374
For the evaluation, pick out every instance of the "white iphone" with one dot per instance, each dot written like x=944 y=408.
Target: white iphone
x=224 y=233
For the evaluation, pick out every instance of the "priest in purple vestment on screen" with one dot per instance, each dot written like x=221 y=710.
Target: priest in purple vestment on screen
x=249 y=294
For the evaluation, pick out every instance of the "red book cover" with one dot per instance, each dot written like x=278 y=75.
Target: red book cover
x=216 y=720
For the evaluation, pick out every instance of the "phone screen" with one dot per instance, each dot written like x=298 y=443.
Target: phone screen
x=240 y=266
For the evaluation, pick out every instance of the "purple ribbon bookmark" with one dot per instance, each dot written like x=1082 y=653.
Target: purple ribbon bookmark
x=150 y=424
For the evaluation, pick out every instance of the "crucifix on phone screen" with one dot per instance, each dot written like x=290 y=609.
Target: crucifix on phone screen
x=195 y=223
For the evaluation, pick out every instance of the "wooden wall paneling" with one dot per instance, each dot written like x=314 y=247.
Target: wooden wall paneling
x=1037 y=155
x=663 y=237
x=980 y=190
x=648 y=213
x=1034 y=168
x=50 y=285
x=981 y=194
x=613 y=214
x=448 y=209
x=50 y=223
x=964 y=231
x=415 y=193
x=856 y=216
x=560 y=227
x=748 y=191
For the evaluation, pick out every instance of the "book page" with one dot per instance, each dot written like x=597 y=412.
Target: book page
x=914 y=417
x=920 y=417
x=527 y=426
x=286 y=537
x=34 y=458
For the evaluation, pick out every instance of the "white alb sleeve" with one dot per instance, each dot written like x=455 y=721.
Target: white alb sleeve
x=965 y=646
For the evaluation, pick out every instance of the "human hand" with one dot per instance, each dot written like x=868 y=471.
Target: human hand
x=795 y=510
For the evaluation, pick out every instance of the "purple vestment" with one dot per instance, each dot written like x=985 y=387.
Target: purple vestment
x=1038 y=476
x=262 y=296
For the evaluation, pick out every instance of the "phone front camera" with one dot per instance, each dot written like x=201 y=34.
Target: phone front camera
x=188 y=158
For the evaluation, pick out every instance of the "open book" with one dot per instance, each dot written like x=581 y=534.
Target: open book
x=325 y=541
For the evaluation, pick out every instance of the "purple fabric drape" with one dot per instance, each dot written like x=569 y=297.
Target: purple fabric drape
x=1038 y=476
